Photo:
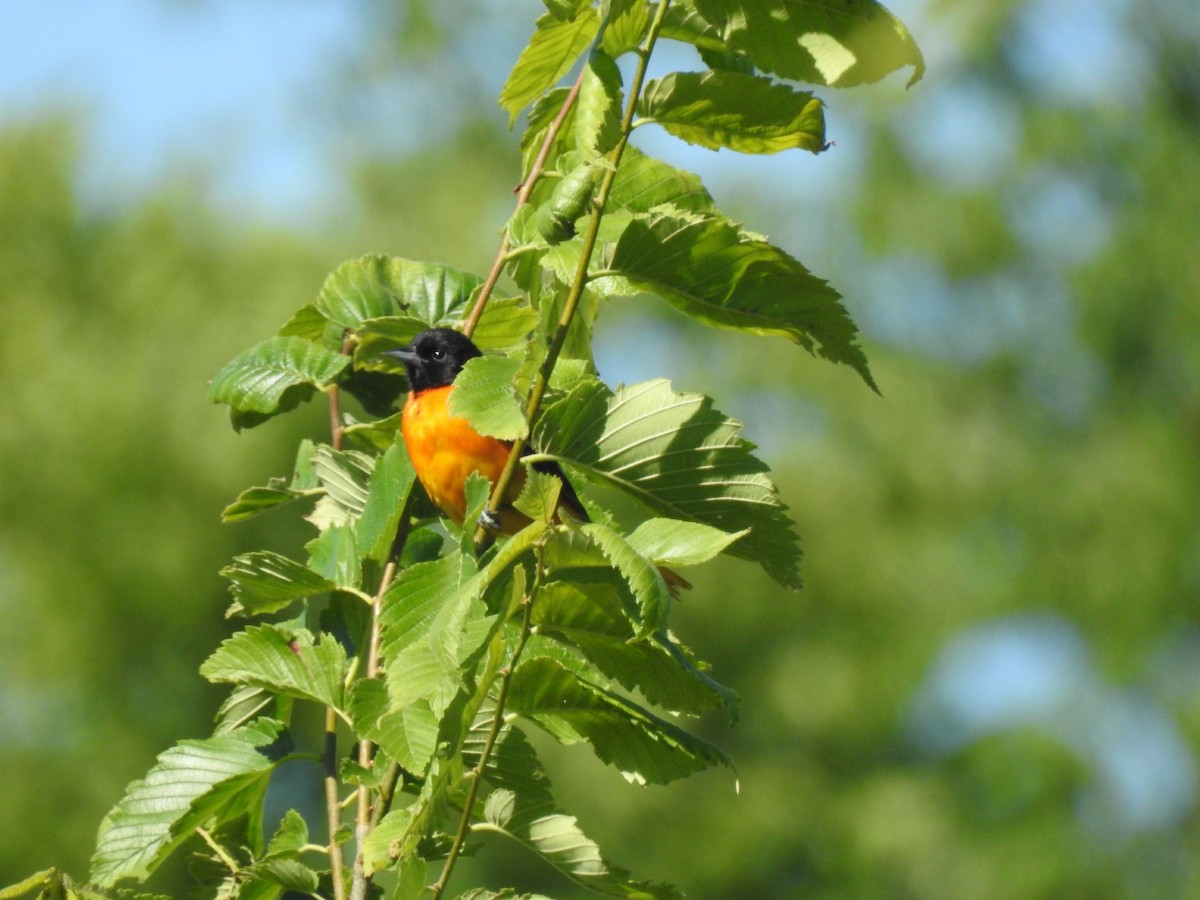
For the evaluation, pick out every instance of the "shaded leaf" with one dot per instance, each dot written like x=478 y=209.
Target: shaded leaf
x=390 y=482
x=649 y=590
x=731 y=109
x=265 y=582
x=670 y=542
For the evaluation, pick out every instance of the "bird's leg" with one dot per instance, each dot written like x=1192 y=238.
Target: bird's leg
x=489 y=520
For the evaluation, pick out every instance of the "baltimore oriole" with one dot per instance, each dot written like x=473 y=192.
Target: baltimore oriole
x=445 y=449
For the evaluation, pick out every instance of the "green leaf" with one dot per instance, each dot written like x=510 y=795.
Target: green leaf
x=277 y=491
x=382 y=842
x=642 y=746
x=408 y=735
x=585 y=607
x=273 y=377
x=539 y=496
x=541 y=115
x=189 y=784
x=244 y=703
x=265 y=582
x=483 y=395
x=426 y=613
x=550 y=54
x=286 y=662
x=670 y=542
x=679 y=457
x=598 y=113
x=522 y=808
x=649 y=589
x=626 y=29
x=290 y=874
x=345 y=477
x=40 y=879
x=836 y=42
x=746 y=113
x=291 y=835
x=643 y=182
x=334 y=554
x=710 y=269
x=372 y=287
x=506 y=321
x=390 y=482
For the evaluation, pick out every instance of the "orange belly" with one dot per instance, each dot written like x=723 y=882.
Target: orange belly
x=445 y=450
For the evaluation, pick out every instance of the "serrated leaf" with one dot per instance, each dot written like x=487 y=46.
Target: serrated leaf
x=382 y=842
x=290 y=837
x=244 y=703
x=286 y=662
x=643 y=182
x=408 y=735
x=265 y=582
x=334 y=554
x=483 y=395
x=649 y=590
x=710 y=269
x=539 y=496
x=290 y=874
x=188 y=784
x=272 y=377
x=309 y=323
x=743 y=112
x=345 y=477
x=598 y=112
x=677 y=456
x=522 y=808
x=390 y=482
x=671 y=542
x=626 y=29
x=836 y=42
x=683 y=23
x=550 y=54
x=642 y=746
x=541 y=115
x=506 y=321
x=373 y=287
x=585 y=607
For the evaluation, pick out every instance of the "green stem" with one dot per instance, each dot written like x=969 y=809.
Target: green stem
x=542 y=381
x=476 y=774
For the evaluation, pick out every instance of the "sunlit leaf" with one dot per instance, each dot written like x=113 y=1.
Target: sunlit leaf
x=670 y=542
x=390 y=482
x=835 y=42
x=677 y=456
x=273 y=377
x=712 y=270
x=649 y=590
x=188 y=784
x=550 y=54
x=483 y=395
x=287 y=662
x=746 y=113
x=264 y=582
x=598 y=116
x=373 y=287
x=643 y=747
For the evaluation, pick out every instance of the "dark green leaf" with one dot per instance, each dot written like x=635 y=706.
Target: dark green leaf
x=264 y=582
x=730 y=109
x=649 y=589
x=390 y=482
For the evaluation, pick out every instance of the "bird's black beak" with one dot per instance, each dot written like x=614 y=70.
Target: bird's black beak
x=406 y=355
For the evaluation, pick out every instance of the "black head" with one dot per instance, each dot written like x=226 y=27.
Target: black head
x=435 y=357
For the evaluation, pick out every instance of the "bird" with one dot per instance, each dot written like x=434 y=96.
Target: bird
x=445 y=449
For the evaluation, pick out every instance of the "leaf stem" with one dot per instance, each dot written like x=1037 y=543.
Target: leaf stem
x=228 y=860
x=540 y=383
x=476 y=774
x=524 y=191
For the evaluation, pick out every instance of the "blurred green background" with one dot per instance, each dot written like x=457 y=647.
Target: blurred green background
x=990 y=686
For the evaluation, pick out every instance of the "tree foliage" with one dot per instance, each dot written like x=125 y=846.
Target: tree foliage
x=433 y=645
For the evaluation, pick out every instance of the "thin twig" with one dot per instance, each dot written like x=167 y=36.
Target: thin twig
x=540 y=383
x=229 y=861
x=526 y=189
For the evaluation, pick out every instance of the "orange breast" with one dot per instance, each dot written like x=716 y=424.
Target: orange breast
x=445 y=450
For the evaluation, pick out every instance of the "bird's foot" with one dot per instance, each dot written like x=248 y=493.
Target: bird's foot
x=489 y=520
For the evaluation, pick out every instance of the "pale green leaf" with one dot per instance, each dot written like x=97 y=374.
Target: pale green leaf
x=642 y=746
x=746 y=113
x=598 y=113
x=391 y=479
x=671 y=542
x=626 y=29
x=539 y=496
x=643 y=182
x=345 y=477
x=272 y=377
x=382 y=844
x=649 y=590
x=483 y=395
x=677 y=456
x=373 y=287
x=712 y=270
x=286 y=662
x=550 y=54
x=836 y=42
x=408 y=735
x=334 y=554
x=506 y=321
x=264 y=582
x=188 y=784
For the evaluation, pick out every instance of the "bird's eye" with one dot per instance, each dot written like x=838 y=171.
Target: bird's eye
x=439 y=354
